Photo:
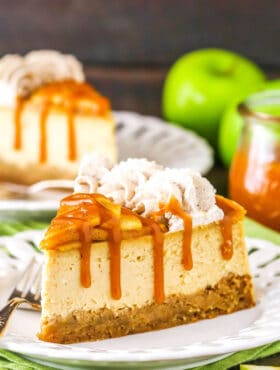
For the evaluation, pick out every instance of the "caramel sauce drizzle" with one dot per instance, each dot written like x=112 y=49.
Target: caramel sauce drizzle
x=65 y=95
x=158 y=243
x=88 y=205
x=78 y=210
x=72 y=134
x=85 y=235
x=43 y=132
x=226 y=229
x=231 y=211
x=17 y=119
x=114 y=241
x=176 y=209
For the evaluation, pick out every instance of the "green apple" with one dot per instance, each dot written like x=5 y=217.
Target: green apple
x=232 y=124
x=229 y=132
x=256 y=367
x=271 y=85
x=201 y=84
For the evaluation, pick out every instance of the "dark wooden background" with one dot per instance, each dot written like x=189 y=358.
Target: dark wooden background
x=128 y=45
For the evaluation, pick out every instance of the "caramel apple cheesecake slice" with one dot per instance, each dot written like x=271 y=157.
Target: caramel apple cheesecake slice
x=139 y=247
x=50 y=117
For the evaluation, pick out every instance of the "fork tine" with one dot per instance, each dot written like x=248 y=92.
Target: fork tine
x=25 y=274
x=31 y=279
x=22 y=280
x=36 y=286
x=30 y=293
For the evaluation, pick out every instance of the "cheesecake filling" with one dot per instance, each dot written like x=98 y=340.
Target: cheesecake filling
x=109 y=199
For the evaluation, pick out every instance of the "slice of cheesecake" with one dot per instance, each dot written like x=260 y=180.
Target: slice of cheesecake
x=161 y=256
x=50 y=117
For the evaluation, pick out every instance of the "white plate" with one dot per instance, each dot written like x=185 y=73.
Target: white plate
x=137 y=136
x=152 y=138
x=180 y=347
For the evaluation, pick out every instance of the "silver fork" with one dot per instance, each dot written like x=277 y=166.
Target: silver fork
x=27 y=290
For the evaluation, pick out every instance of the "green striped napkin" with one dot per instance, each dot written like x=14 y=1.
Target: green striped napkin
x=243 y=356
x=255 y=230
x=10 y=360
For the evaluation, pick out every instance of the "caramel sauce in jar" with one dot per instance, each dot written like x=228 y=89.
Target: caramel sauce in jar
x=255 y=171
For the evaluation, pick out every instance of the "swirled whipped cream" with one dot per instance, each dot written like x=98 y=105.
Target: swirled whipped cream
x=143 y=185
x=21 y=75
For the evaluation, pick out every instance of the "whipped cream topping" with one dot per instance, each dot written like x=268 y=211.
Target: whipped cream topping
x=142 y=186
x=93 y=168
x=21 y=75
x=123 y=182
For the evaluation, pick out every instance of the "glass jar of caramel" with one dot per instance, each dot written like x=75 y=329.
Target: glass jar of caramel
x=255 y=171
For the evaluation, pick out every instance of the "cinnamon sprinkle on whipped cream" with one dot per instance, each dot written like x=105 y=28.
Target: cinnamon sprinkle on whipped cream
x=143 y=186
x=20 y=76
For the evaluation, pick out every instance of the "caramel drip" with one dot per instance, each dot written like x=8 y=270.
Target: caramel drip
x=66 y=95
x=226 y=229
x=17 y=118
x=73 y=219
x=231 y=211
x=86 y=206
x=72 y=147
x=114 y=240
x=85 y=235
x=43 y=132
x=84 y=231
x=158 y=243
x=176 y=209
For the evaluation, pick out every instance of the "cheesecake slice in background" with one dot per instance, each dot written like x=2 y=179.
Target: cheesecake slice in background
x=139 y=247
x=50 y=117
